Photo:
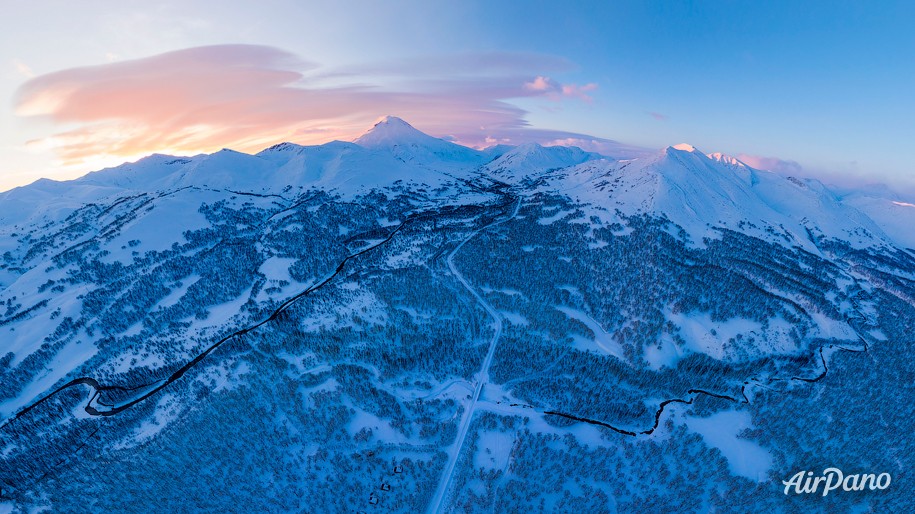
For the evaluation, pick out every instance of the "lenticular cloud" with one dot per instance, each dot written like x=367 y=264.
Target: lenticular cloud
x=247 y=96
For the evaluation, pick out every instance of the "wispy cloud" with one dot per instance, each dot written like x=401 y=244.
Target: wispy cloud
x=23 y=69
x=658 y=116
x=250 y=96
x=580 y=92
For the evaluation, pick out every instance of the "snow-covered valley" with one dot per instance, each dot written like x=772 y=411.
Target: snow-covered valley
x=403 y=324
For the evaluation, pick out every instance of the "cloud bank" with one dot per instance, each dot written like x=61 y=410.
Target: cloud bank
x=781 y=166
x=247 y=97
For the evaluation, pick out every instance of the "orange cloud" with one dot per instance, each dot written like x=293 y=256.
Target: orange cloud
x=247 y=97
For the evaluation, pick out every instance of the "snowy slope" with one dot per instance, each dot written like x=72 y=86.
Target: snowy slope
x=703 y=192
x=896 y=217
x=531 y=159
x=393 y=136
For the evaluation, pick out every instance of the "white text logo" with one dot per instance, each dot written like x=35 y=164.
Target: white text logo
x=803 y=482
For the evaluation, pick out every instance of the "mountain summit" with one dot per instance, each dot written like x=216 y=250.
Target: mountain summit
x=392 y=131
x=406 y=143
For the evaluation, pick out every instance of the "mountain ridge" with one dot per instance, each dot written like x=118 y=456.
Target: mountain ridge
x=393 y=150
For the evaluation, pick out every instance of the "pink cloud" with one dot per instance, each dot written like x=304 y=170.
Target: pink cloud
x=842 y=177
x=556 y=91
x=658 y=116
x=609 y=147
x=579 y=92
x=775 y=164
x=541 y=83
x=247 y=97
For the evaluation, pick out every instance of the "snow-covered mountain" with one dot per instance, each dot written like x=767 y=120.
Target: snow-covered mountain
x=405 y=323
x=393 y=135
x=531 y=160
x=704 y=193
x=693 y=189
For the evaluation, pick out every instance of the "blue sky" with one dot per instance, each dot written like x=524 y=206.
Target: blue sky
x=817 y=88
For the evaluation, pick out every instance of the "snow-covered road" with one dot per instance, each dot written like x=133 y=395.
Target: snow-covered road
x=482 y=376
